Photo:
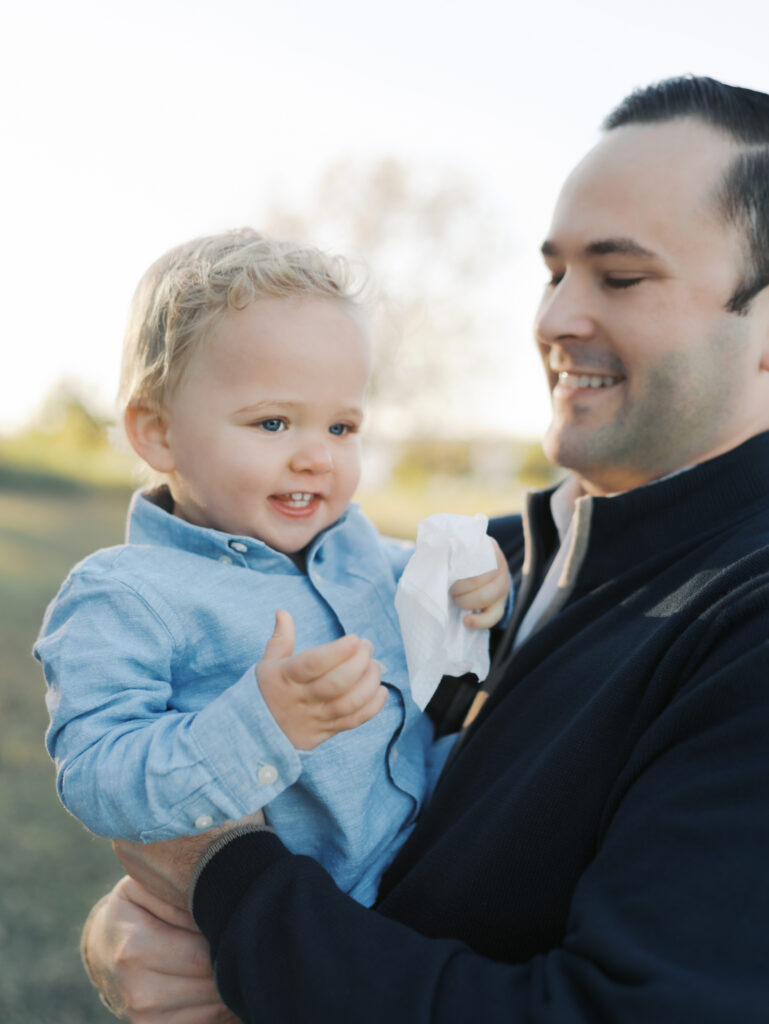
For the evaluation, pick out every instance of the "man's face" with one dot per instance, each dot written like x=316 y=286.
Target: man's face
x=648 y=372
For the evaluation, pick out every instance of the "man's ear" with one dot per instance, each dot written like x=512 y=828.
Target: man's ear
x=147 y=431
x=760 y=306
x=764 y=364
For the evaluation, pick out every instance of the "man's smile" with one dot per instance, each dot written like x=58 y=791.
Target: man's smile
x=574 y=380
x=589 y=376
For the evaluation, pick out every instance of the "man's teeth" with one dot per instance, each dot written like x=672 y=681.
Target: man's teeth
x=573 y=380
x=297 y=499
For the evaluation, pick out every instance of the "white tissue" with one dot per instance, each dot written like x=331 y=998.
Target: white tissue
x=437 y=642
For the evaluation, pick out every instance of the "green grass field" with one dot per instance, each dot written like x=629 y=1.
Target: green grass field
x=52 y=870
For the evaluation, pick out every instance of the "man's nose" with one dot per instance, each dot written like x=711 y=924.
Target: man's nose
x=564 y=314
x=312 y=457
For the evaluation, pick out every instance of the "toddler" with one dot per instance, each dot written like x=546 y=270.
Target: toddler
x=175 y=695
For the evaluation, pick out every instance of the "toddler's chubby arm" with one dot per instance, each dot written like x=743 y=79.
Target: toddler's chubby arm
x=131 y=762
x=484 y=596
x=319 y=692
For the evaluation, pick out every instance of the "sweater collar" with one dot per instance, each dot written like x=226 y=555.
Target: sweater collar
x=612 y=533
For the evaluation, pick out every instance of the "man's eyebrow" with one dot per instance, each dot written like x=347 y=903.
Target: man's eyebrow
x=605 y=247
x=619 y=246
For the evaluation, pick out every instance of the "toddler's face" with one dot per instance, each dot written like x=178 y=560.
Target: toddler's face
x=263 y=427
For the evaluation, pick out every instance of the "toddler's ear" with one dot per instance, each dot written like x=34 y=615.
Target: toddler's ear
x=146 y=430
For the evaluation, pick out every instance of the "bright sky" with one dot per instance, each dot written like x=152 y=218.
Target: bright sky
x=129 y=128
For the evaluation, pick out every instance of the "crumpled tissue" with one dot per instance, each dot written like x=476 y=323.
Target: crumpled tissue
x=437 y=642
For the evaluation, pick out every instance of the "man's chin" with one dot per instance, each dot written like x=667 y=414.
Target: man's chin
x=567 y=447
x=599 y=465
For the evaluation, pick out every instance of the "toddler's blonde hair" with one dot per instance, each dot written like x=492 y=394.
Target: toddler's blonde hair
x=185 y=293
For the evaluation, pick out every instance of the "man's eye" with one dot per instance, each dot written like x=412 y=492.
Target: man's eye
x=339 y=429
x=272 y=426
x=622 y=282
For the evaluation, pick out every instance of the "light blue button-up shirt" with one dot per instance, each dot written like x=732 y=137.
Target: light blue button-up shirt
x=158 y=727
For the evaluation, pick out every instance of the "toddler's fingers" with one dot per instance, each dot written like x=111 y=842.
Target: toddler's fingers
x=343 y=676
x=472 y=583
x=281 y=643
x=364 y=713
x=482 y=597
x=501 y=574
x=314 y=663
x=357 y=696
x=487 y=618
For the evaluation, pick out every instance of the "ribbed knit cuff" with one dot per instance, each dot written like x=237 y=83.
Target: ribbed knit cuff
x=225 y=873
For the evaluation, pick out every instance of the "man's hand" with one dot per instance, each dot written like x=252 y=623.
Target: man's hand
x=321 y=691
x=149 y=961
x=484 y=596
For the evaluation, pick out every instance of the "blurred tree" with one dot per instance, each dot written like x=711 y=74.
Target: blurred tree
x=535 y=469
x=70 y=420
x=434 y=246
x=69 y=437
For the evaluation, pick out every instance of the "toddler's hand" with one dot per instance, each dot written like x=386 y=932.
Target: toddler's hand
x=321 y=691
x=484 y=596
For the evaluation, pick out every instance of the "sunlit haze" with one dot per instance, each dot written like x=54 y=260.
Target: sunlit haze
x=128 y=129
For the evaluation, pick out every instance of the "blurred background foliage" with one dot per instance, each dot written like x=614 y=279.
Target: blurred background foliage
x=434 y=256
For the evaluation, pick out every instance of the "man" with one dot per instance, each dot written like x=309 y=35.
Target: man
x=597 y=846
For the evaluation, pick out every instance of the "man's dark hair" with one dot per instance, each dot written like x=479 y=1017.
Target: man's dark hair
x=743 y=194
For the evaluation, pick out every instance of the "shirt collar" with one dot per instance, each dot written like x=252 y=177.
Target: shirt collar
x=151 y=522
x=562 y=503
x=665 y=514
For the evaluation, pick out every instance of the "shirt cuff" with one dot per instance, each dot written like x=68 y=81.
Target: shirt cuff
x=246 y=750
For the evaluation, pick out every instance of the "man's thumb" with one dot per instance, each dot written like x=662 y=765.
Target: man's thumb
x=281 y=643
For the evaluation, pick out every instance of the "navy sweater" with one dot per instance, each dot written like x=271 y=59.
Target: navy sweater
x=598 y=848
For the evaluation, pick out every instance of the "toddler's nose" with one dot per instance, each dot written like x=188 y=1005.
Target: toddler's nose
x=313 y=457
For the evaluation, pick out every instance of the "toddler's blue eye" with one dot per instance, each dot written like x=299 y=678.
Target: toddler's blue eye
x=338 y=428
x=273 y=425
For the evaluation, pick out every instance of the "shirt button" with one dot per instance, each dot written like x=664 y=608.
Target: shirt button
x=225 y=559
x=267 y=774
x=394 y=755
x=239 y=546
x=204 y=821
